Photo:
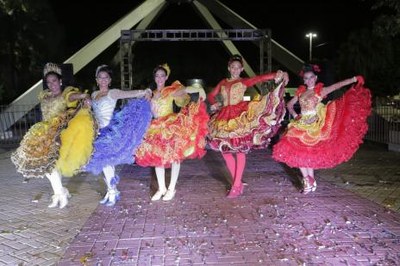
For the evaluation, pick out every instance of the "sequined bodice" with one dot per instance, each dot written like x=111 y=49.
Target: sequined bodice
x=103 y=108
x=53 y=106
x=308 y=103
x=162 y=101
x=232 y=92
x=162 y=105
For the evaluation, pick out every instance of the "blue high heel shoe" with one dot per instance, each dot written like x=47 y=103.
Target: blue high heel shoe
x=112 y=196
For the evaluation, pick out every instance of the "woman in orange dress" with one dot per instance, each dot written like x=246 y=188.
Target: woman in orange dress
x=172 y=137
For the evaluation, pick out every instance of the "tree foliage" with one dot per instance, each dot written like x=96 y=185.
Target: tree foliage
x=387 y=23
x=375 y=52
x=29 y=36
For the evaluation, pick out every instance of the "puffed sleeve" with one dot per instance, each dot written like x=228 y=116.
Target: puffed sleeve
x=67 y=92
x=211 y=96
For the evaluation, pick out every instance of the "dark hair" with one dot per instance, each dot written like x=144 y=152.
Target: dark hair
x=49 y=74
x=52 y=73
x=104 y=68
x=235 y=57
x=310 y=68
x=160 y=67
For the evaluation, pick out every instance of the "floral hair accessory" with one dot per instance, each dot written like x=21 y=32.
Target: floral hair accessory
x=167 y=68
x=316 y=68
x=307 y=68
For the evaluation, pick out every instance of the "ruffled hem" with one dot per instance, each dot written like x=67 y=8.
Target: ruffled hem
x=38 y=151
x=250 y=129
x=116 y=143
x=348 y=129
x=175 y=137
x=76 y=143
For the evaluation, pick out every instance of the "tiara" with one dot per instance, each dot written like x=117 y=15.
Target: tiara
x=51 y=67
x=100 y=68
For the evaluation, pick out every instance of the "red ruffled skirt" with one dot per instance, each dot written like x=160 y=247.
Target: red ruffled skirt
x=333 y=138
x=247 y=125
x=175 y=137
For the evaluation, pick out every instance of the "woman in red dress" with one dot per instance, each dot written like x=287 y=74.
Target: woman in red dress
x=323 y=136
x=239 y=126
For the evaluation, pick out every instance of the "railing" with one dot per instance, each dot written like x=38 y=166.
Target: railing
x=11 y=136
x=383 y=124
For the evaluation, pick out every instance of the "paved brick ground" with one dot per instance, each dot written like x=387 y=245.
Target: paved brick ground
x=271 y=224
x=31 y=233
x=373 y=173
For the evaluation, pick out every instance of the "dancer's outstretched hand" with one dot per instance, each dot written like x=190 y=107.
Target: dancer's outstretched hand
x=360 y=80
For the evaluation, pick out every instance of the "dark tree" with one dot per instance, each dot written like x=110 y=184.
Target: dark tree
x=29 y=37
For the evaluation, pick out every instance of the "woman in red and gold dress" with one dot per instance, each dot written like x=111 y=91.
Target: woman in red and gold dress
x=172 y=137
x=323 y=136
x=238 y=125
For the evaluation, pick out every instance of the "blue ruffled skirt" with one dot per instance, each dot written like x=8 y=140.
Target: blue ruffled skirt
x=117 y=143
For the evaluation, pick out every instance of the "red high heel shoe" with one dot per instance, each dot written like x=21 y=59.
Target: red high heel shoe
x=235 y=192
x=309 y=184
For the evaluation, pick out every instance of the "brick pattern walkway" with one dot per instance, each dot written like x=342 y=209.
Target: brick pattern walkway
x=271 y=224
x=373 y=173
x=31 y=233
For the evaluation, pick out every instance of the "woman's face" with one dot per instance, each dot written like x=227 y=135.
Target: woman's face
x=103 y=79
x=309 y=79
x=235 y=68
x=160 y=77
x=54 y=84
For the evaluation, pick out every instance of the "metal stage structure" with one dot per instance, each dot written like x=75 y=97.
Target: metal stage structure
x=140 y=19
x=129 y=37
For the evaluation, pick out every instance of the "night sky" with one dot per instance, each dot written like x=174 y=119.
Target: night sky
x=288 y=20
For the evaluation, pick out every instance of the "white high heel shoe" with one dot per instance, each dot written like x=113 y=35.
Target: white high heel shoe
x=54 y=201
x=60 y=199
x=64 y=198
x=158 y=194
x=169 y=195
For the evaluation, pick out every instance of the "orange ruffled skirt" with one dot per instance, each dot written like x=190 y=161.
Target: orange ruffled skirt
x=175 y=137
x=330 y=140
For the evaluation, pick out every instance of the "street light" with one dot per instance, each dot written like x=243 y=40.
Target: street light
x=311 y=35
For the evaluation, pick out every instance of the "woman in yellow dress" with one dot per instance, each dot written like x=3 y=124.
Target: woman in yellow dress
x=61 y=143
x=172 y=137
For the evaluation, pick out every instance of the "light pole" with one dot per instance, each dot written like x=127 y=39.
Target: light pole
x=311 y=35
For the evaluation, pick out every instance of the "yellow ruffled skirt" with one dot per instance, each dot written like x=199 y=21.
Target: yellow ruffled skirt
x=62 y=142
